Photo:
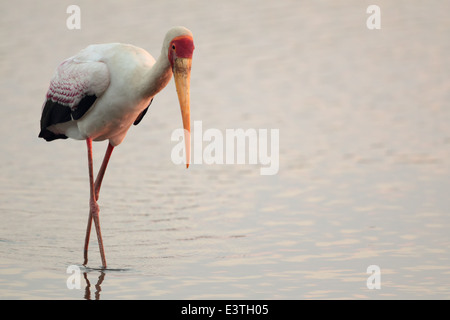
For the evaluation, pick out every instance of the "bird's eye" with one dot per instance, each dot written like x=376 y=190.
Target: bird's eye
x=173 y=47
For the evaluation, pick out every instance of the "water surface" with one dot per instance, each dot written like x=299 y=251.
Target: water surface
x=364 y=156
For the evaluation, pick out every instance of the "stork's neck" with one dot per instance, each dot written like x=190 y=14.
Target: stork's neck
x=158 y=76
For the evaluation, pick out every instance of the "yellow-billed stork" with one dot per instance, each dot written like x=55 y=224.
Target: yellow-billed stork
x=99 y=93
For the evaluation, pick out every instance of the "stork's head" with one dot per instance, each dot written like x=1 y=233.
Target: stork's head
x=179 y=44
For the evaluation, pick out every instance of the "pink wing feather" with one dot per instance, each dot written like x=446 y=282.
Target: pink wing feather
x=73 y=90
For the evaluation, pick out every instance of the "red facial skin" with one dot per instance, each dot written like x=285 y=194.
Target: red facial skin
x=181 y=47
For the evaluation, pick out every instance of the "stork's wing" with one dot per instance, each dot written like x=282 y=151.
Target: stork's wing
x=142 y=114
x=73 y=90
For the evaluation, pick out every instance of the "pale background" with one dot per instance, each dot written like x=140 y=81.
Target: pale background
x=364 y=155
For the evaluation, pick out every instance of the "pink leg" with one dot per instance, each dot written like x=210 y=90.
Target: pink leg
x=101 y=172
x=97 y=185
x=93 y=211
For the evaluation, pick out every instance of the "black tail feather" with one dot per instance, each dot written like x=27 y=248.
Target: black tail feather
x=54 y=112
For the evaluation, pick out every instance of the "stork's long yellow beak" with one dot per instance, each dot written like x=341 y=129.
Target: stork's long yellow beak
x=182 y=76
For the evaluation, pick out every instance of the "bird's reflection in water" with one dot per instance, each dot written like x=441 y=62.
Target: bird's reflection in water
x=98 y=288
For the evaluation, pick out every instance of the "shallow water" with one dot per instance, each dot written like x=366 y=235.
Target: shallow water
x=364 y=156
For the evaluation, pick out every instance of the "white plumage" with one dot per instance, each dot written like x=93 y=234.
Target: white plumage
x=116 y=74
